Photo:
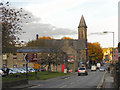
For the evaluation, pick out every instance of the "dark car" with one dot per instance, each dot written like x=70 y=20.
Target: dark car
x=41 y=69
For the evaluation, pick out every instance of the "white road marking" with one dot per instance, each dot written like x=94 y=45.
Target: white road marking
x=67 y=77
x=35 y=86
x=63 y=86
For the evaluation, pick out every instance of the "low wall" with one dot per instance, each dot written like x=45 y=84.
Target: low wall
x=14 y=83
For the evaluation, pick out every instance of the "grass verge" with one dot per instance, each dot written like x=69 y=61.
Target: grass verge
x=32 y=76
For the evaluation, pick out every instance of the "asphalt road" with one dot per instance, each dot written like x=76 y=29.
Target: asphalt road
x=90 y=81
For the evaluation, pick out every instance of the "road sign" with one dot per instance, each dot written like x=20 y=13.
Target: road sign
x=36 y=66
x=24 y=56
x=32 y=57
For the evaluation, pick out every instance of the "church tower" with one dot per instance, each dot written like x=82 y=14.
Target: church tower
x=82 y=29
x=82 y=38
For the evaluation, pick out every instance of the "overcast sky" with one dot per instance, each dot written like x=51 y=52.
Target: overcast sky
x=58 y=18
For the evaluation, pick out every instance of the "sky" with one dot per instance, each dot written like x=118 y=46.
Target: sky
x=59 y=18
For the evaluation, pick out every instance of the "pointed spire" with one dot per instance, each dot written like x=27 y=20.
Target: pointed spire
x=82 y=23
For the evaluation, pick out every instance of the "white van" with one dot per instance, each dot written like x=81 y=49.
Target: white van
x=93 y=68
x=98 y=65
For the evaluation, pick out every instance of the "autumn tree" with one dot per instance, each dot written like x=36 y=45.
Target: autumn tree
x=11 y=20
x=95 y=52
x=40 y=42
x=44 y=37
x=66 y=38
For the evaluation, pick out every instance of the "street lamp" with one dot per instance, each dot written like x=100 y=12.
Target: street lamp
x=113 y=43
x=49 y=65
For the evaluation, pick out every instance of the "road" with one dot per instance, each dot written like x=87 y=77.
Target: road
x=74 y=81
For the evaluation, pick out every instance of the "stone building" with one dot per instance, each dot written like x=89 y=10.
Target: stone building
x=76 y=49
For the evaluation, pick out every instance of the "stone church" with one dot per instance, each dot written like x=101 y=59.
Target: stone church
x=74 y=48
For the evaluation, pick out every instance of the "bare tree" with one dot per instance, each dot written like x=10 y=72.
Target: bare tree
x=11 y=20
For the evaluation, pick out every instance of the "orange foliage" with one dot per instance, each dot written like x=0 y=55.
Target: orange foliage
x=95 y=51
x=44 y=37
x=66 y=38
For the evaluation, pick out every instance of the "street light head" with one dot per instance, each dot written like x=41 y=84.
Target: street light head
x=105 y=32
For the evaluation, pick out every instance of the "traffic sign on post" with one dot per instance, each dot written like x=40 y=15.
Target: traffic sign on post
x=24 y=56
x=32 y=57
x=36 y=66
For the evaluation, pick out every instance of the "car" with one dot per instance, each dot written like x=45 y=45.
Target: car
x=98 y=65
x=30 y=69
x=21 y=69
x=1 y=72
x=101 y=69
x=93 y=68
x=25 y=69
x=11 y=71
x=82 y=70
x=41 y=69
x=17 y=70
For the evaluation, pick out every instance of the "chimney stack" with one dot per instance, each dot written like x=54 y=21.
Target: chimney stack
x=37 y=36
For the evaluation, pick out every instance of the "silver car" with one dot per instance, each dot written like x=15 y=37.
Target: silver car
x=17 y=70
x=11 y=71
x=101 y=69
x=82 y=70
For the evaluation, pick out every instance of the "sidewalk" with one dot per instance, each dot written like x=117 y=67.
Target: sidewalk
x=108 y=81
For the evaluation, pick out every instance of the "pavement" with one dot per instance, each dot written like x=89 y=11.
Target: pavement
x=108 y=81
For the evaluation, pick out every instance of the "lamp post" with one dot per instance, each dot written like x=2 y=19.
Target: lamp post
x=113 y=39
x=113 y=44
x=49 y=65
x=64 y=58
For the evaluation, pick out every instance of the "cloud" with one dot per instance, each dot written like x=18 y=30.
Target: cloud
x=51 y=15
x=35 y=26
x=47 y=8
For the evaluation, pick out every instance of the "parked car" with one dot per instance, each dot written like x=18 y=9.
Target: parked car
x=1 y=72
x=11 y=71
x=30 y=69
x=82 y=70
x=93 y=68
x=101 y=69
x=17 y=70
x=22 y=70
x=41 y=69
x=4 y=71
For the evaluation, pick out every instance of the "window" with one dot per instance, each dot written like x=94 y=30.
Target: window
x=81 y=68
x=14 y=56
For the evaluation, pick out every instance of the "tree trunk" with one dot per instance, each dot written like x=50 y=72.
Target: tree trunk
x=56 y=67
x=53 y=67
x=49 y=67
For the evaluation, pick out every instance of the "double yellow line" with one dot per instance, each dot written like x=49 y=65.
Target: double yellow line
x=102 y=80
